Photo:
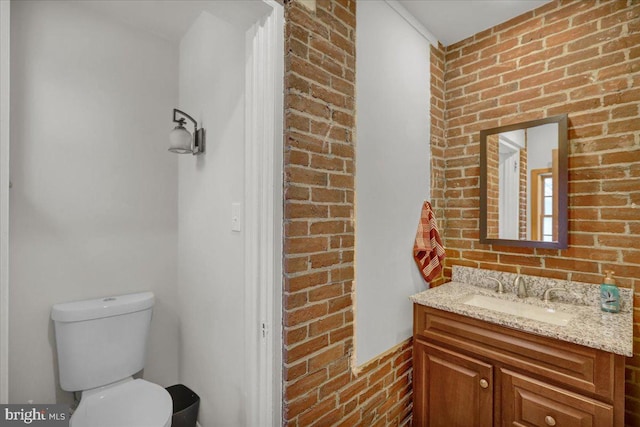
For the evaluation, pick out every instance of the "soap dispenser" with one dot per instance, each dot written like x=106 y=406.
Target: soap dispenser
x=609 y=294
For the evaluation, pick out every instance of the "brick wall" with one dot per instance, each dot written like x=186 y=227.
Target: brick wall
x=522 y=210
x=575 y=57
x=438 y=141
x=320 y=387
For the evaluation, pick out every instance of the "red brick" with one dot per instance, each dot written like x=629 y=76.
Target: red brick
x=300 y=405
x=598 y=200
x=323 y=359
x=299 y=16
x=343 y=334
x=541 y=79
x=307 y=418
x=324 y=259
x=541 y=55
x=305 y=384
x=301 y=282
x=308 y=105
x=603 y=144
x=567 y=83
x=325 y=292
x=296 y=265
x=521 y=50
x=334 y=321
x=631 y=242
x=622 y=97
x=305 y=314
x=624 y=126
x=294 y=336
x=335 y=384
x=295 y=371
x=305 y=245
x=571 y=34
x=597 y=227
x=593 y=39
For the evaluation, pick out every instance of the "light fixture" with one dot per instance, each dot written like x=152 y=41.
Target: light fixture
x=181 y=141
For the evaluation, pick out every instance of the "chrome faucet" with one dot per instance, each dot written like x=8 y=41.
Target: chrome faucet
x=520 y=287
x=500 y=289
x=547 y=293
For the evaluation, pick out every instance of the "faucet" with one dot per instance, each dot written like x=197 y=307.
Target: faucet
x=500 y=289
x=547 y=293
x=520 y=287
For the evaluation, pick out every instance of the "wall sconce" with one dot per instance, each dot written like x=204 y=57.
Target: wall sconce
x=181 y=141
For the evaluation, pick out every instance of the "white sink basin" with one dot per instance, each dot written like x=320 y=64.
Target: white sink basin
x=514 y=308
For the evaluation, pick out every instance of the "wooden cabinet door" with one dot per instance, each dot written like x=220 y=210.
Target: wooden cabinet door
x=451 y=390
x=527 y=402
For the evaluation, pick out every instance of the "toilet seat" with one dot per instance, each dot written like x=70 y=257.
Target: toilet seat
x=134 y=403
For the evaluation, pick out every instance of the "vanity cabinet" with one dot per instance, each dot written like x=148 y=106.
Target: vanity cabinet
x=471 y=373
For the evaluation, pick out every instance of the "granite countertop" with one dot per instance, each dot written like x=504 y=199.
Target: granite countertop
x=611 y=332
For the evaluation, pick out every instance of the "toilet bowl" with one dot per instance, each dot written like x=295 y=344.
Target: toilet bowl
x=101 y=343
x=134 y=403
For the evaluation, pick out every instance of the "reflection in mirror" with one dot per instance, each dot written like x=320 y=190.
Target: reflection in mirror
x=523 y=184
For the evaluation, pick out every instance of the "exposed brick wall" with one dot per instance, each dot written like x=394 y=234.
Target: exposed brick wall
x=438 y=141
x=320 y=387
x=575 y=57
x=522 y=234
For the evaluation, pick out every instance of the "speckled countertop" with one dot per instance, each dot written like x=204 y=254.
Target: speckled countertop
x=612 y=332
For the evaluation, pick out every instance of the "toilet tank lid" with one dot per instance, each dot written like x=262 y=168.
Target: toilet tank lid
x=102 y=307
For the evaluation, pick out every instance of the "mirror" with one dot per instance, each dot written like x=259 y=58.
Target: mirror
x=523 y=184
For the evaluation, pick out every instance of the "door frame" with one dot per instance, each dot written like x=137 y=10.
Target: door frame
x=263 y=217
x=5 y=22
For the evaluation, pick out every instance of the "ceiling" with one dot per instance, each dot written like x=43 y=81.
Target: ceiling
x=449 y=20
x=454 y=20
x=171 y=19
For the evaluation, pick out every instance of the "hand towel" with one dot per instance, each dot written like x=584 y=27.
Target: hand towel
x=428 y=251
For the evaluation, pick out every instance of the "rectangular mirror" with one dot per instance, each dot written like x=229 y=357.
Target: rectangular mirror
x=523 y=184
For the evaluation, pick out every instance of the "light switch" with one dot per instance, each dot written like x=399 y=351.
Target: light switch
x=236 y=217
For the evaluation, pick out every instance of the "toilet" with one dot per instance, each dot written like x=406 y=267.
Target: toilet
x=101 y=343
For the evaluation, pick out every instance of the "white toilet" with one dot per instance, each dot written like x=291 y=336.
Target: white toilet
x=101 y=344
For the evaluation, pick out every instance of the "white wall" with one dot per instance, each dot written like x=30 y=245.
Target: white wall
x=392 y=173
x=211 y=264
x=541 y=141
x=94 y=198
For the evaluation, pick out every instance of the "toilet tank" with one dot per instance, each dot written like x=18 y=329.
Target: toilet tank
x=102 y=340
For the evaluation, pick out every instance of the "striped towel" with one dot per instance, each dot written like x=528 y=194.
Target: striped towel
x=427 y=249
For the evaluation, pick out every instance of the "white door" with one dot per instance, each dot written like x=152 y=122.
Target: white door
x=509 y=194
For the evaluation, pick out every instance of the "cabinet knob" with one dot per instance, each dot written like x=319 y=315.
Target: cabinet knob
x=484 y=383
x=550 y=420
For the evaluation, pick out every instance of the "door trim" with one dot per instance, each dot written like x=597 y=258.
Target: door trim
x=263 y=217
x=5 y=22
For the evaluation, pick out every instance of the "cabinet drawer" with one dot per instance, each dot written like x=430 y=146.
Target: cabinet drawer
x=573 y=366
x=528 y=402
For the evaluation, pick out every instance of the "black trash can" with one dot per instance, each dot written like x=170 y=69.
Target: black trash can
x=185 y=406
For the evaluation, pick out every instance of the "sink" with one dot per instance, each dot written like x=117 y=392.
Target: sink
x=534 y=312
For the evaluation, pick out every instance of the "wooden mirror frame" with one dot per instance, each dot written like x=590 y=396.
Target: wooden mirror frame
x=563 y=178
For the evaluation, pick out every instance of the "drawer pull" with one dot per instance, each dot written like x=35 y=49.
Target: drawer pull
x=550 y=420
x=484 y=383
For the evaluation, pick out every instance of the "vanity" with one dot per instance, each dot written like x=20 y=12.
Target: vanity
x=486 y=359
